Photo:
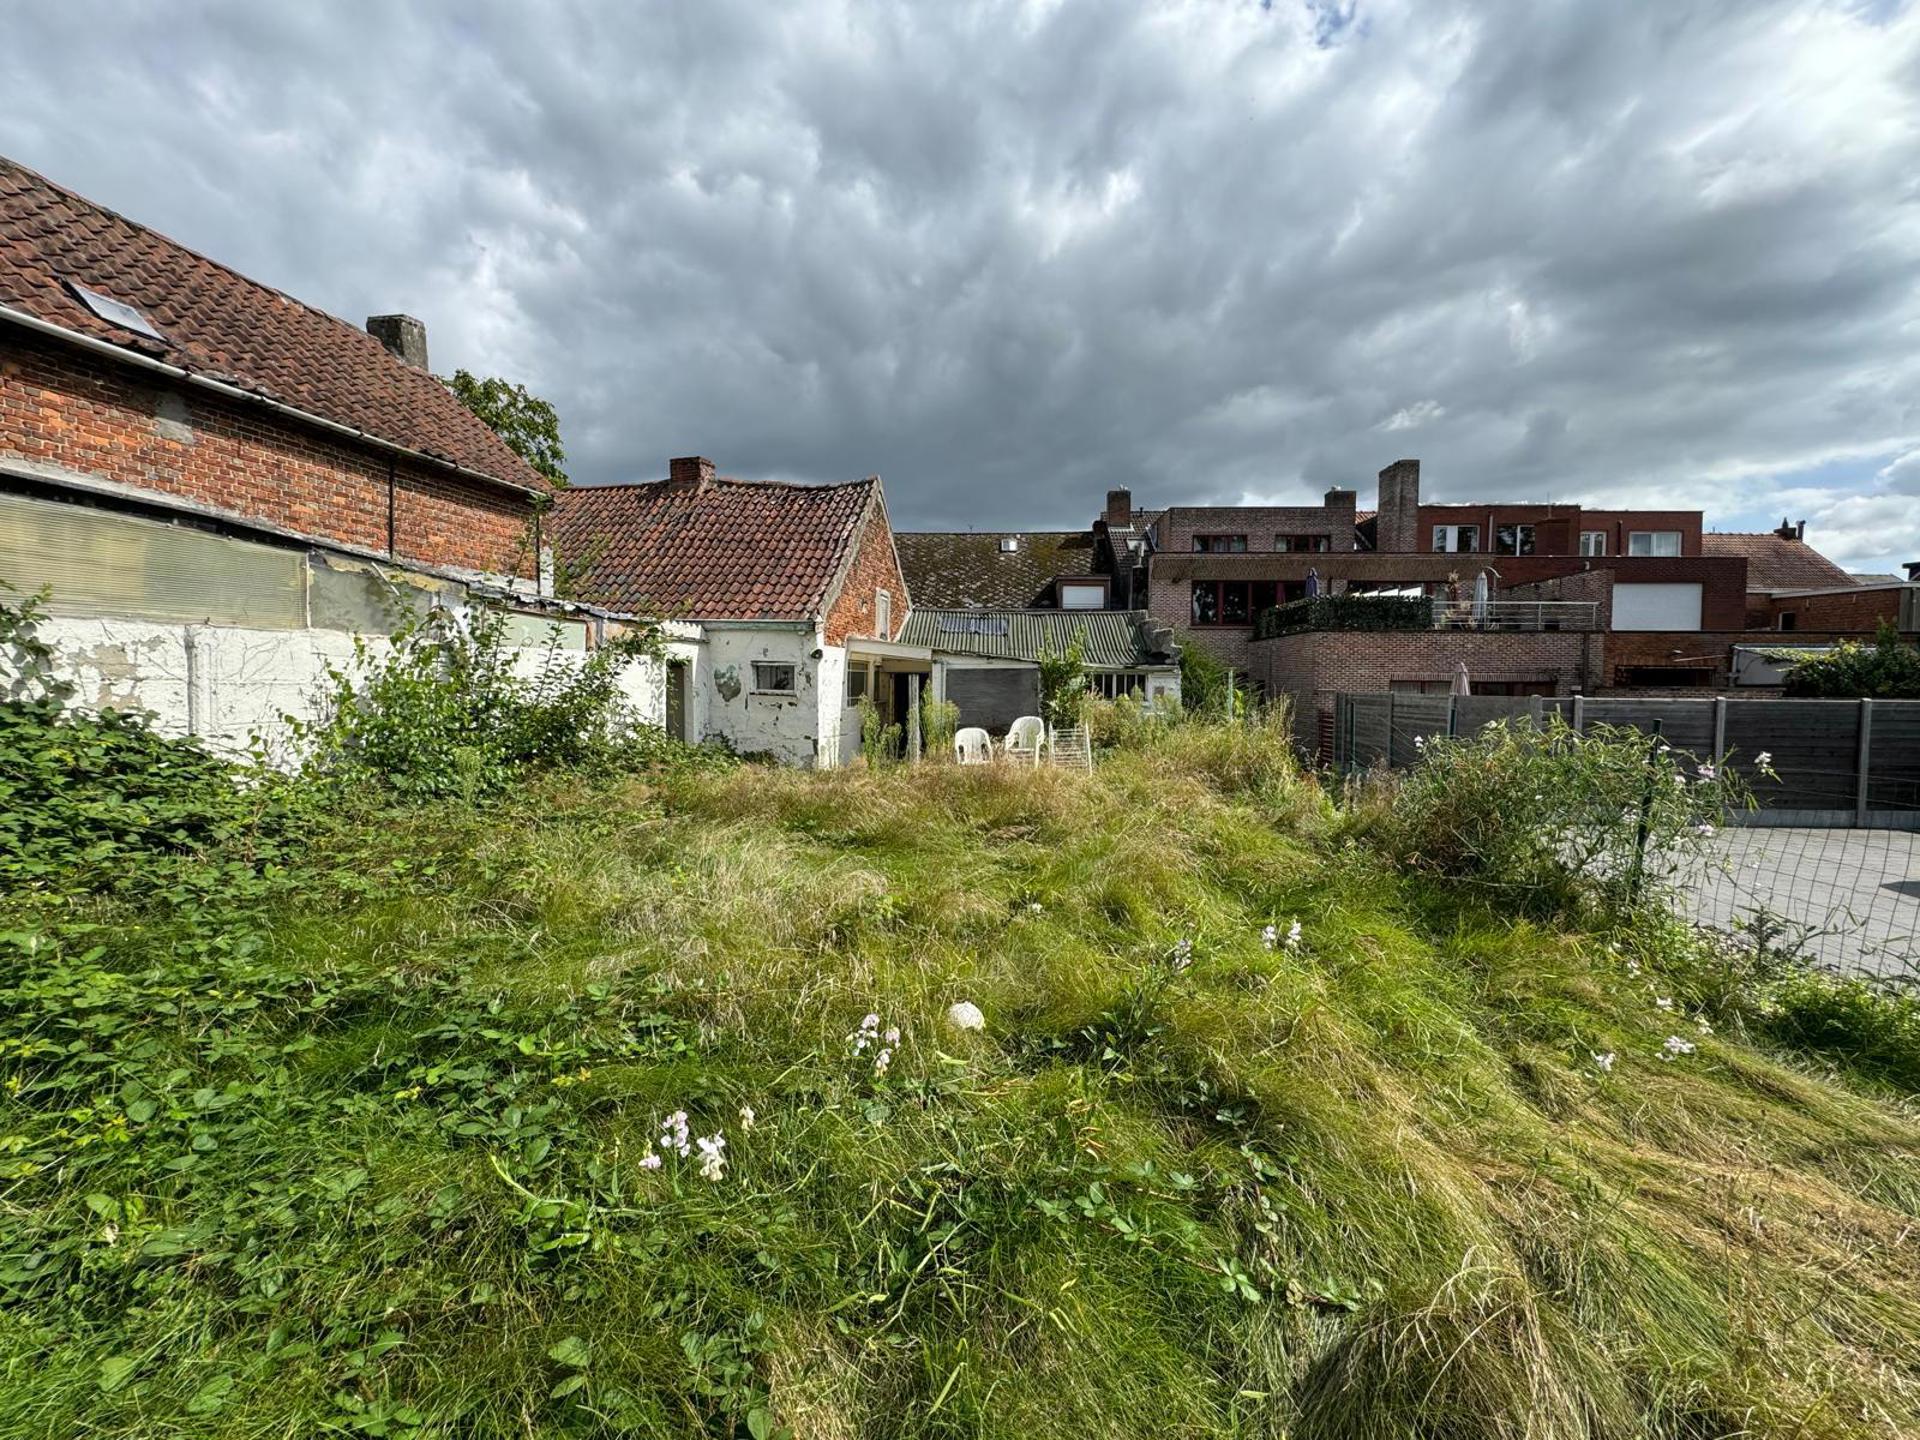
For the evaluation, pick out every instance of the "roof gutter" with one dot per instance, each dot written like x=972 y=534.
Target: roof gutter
x=234 y=392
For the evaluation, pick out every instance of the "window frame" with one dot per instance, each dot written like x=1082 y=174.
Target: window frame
x=1598 y=549
x=861 y=673
x=1098 y=588
x=1236 y=544
x=1513 y=527
x=1650 y=536
x=1453 y=532
x=883 y=614
x=1218 y=588
x=1295 y=544
x=793 y=671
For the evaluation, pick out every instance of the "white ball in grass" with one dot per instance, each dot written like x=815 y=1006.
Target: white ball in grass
x=965 y=1015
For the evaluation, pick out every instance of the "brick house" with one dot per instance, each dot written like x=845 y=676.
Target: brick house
x=796 y=591
x=222 y=486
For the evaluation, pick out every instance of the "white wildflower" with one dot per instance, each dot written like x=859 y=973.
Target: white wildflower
x=1700 y=1024
x=1034 y=907
x=1270 y=937
x=1633 y=966
x=1764 y=759
x=1704 y=830
x=650 y=1161
x=1707 y=772
x=881 y=1062
x=1293 y=936
x=713 y=1162
x=673 y=1133
x=965 y=1015
x=1665 y=1002
x=1675 y=1046
x=1182 y=955
x=746 y=1117
x=1603 y=1062
x=868 y=1034
x=892 y=1036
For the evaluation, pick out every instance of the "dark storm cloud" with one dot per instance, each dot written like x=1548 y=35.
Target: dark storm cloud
x=1008 y=255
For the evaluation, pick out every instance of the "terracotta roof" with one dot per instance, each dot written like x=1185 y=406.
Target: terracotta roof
x=1774 y=563
x=960 y=570
x=224 y=326
x=726 y=550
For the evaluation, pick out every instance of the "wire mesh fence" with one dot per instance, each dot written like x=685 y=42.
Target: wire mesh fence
x=1827 y=866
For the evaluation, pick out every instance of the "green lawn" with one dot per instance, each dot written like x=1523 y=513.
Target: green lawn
x=367 y=1146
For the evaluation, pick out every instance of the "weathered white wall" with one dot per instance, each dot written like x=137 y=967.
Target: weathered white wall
x=831 y=691
x=228 y=685
x=787 y=727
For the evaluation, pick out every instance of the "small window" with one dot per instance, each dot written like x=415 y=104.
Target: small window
x=1449 y=539
x=1082 y=596
x=773 y=679
x=1009 y=544
x=882 y=615
x=1513 y=539
x=1287 y=543
x=1653 y=542
x=856 y=684
x=115 y=312
x=1220 y=544
x=1593 y=542
x=1789 y=620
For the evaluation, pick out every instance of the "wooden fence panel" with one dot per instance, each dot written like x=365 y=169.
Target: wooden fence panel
x=1893 y=765
x=1815 y=745
x=1684 y=724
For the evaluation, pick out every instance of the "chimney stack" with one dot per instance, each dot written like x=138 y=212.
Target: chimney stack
x=1790 y=531
x=1119 y=512
x=1398 y=529
x=691 y=472
x=405 y=336
x=1913 y=569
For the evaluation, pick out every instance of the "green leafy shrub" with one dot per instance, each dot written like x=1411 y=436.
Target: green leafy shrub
x=1063 y=683
x=880 y=743
x=1550 y=816
x=447 y=711
x=1888 y=669
x=103 y=801
x=939 y=720
x=1868 y=1028
x=1345 y=612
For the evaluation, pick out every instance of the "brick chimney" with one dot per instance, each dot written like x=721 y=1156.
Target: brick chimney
x=405 y=336
x=690 y=472
x=1913 y=569
x=1399 y=504
x=1791 y=531
x=1119 y=512
x=1341 y=504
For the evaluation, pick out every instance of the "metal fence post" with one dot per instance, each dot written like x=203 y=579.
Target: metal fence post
x=1390 y=759
x=1863 y=765
x=1719 y=729
x=1453 y=715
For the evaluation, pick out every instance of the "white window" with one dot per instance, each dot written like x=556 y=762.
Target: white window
x=856 y=684
x=882 y=615
x=1593 y=542
x=770 y=678
x=1653 y=542
x=1082 y=597
x=1450 y=538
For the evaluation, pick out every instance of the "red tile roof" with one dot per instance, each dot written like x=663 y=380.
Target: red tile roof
x=226 y=327
x=1774 y=563
x=728 y=550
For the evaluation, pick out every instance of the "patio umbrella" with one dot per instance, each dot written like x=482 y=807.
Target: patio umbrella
x=1480 y=598
x=1461 y=684
x=1313 y=583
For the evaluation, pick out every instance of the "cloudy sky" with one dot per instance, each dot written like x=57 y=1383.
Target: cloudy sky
x=1010 y=254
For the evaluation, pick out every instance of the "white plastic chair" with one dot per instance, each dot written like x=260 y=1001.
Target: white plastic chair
x=972 y=746
x=1025 y=739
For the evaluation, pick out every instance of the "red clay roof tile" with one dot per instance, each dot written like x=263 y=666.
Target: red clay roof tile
x=220 y=324
x=1774 y=563
x=731 y=550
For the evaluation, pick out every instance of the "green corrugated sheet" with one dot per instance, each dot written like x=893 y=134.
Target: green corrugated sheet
x=1114 y=638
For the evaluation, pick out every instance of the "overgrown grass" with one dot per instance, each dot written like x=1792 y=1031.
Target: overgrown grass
x=361 y=1153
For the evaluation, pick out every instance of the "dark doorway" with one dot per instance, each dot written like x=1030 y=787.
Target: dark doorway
x=677 y=699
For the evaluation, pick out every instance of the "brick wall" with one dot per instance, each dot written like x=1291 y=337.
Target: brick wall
x=1259 y=523
x=1315 y=666
x=85 y=413
x=1859 y=611
x=874 y=569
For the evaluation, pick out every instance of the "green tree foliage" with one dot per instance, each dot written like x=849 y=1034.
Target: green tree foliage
x=1203 y=680
x=1888 y=669
x=1063 y=682
x=529 y=425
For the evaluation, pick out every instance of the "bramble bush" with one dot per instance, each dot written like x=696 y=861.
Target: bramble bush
x=1888 y=669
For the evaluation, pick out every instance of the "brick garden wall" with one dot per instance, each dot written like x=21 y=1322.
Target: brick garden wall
x=84 y=413
x=1859 y=611
x=1315 y=666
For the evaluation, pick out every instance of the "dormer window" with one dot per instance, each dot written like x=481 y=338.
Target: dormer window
x=1009 y=544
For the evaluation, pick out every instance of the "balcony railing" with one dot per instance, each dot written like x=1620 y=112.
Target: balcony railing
x=1516 y=615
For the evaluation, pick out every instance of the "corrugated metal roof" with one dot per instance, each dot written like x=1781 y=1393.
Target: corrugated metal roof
x=1114 y=639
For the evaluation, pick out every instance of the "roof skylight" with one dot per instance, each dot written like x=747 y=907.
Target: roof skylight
x=115 y=312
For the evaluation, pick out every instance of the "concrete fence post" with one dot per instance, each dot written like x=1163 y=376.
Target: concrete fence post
x=1579 y=714
x=1863 y=764
x=1453 y=715
x=1719 y=729
x=1390 y=760
x=1535 y=710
